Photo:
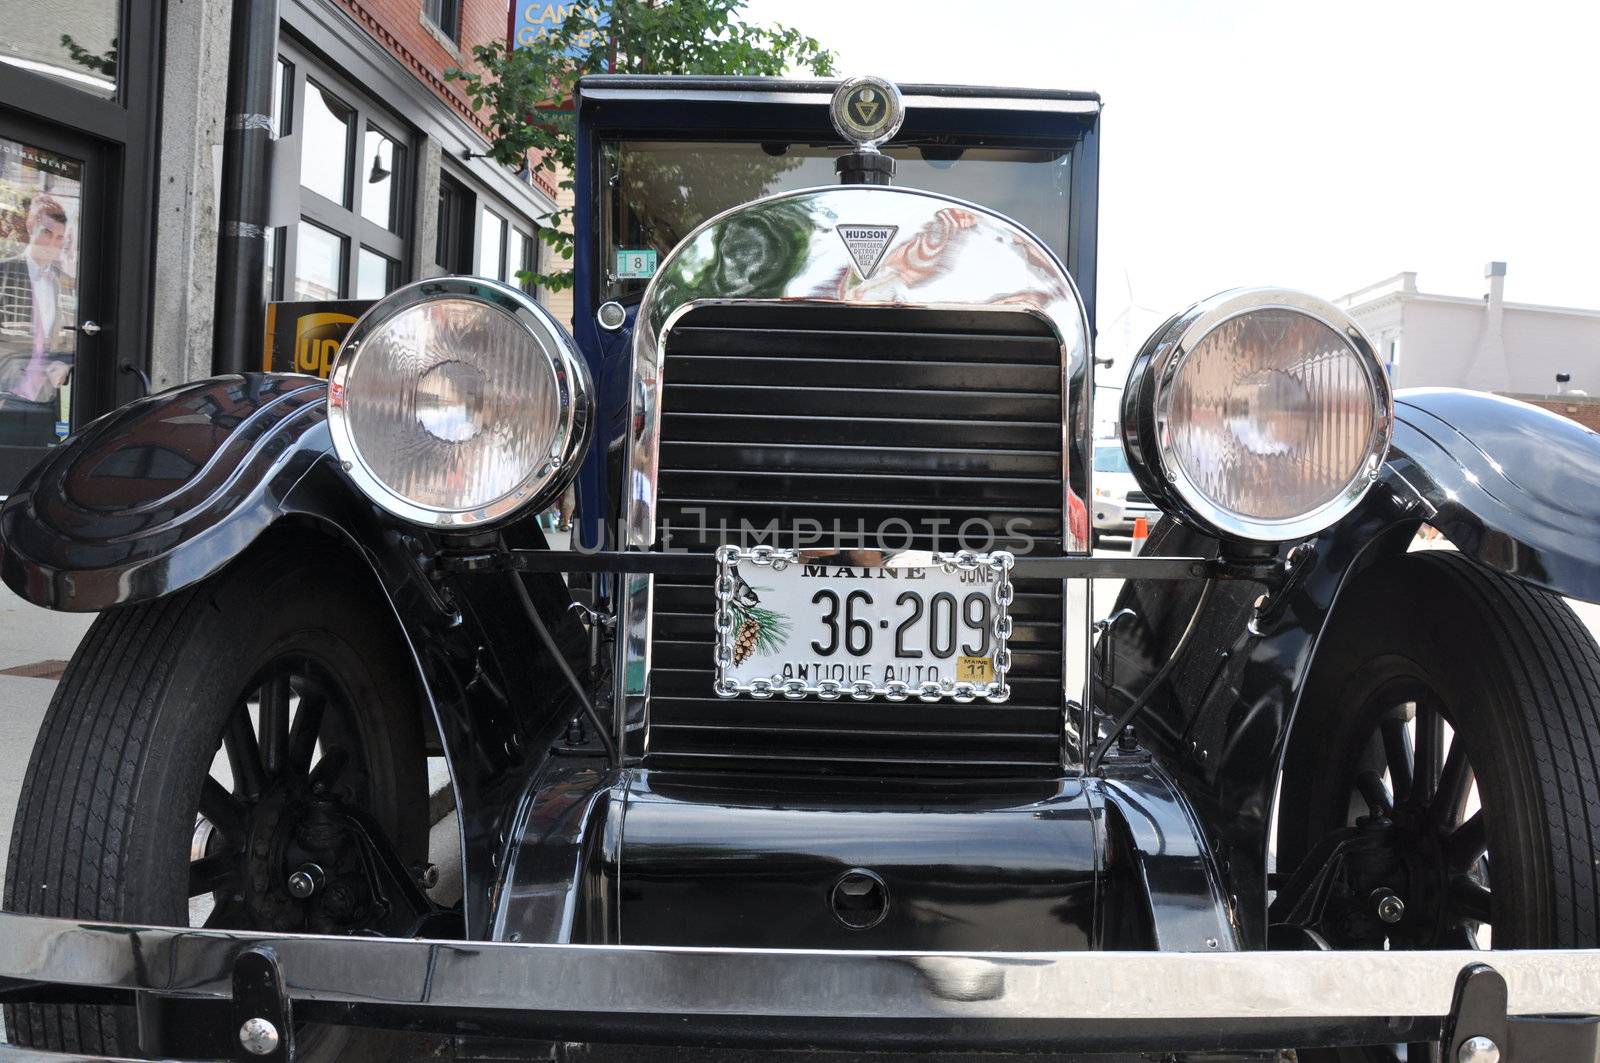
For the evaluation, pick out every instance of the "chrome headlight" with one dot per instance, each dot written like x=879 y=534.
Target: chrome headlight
x=458 y=401
x=1259 y=414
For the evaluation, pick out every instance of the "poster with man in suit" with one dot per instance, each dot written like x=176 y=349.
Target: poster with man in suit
x=40 y=193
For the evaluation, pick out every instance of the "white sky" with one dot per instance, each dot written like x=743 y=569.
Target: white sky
x=1318 y=146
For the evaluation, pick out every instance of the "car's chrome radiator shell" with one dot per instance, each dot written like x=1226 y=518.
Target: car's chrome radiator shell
x=859 y=428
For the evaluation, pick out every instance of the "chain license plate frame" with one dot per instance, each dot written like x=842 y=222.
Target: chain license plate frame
x=726 y=625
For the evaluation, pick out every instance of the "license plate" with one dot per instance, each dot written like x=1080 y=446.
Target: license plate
x=862 y=624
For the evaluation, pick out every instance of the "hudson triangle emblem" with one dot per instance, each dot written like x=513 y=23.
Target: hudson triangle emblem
x=866 y=244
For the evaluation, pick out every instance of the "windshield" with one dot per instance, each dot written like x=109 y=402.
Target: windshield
x=657 y=192
x=1110 y=459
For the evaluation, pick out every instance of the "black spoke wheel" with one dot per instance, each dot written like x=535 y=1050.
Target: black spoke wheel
x=1411 y=788
x=292 y=765
x=1439 y=791
x=205 y=749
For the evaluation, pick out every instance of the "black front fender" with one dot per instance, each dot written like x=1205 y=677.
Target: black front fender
x=163 y=492
x=1511 y=485
x=1514 y=486
x=166 y=491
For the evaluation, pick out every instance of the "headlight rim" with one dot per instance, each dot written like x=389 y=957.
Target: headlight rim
x=1146 y=400
x=574 y=416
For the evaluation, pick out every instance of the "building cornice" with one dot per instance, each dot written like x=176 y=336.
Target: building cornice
x=1395 y=285
x=1537 y=308
x=369 y=22
x=1382 y=301
x=1352 y=305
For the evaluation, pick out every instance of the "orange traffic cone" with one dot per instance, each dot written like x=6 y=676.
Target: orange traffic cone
x=1141 y=532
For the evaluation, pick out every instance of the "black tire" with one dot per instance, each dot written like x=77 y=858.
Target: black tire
x=1516 y=676
x=108 y=808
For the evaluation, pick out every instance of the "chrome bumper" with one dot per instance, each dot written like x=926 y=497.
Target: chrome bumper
x=1014 y=1001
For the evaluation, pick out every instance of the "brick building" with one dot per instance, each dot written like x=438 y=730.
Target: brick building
x=1584 y=409
x=377 y=177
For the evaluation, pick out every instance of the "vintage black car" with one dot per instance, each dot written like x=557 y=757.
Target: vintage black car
x=812 y=739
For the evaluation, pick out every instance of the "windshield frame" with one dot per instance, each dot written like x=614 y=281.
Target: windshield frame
x=612 y=287
x=691 y=107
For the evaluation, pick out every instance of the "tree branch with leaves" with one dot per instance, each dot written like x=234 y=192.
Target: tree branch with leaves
x=525 y=93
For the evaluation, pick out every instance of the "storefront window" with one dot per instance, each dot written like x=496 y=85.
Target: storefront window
x=375 y=275
x=41 y=197
x=453 y=243
x=71 y=41
x=491 y=241
x=325 y=145
x=319 y=265
x=518 y=256
x=377 y=199
x=353 y=218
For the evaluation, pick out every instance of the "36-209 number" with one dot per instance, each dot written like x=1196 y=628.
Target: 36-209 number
x=846 y=626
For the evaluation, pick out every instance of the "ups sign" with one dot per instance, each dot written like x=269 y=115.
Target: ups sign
x=304 y=337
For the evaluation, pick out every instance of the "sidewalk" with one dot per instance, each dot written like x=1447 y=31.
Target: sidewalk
x=35 y=645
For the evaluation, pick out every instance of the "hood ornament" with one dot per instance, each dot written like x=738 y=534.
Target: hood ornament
x=866 y=111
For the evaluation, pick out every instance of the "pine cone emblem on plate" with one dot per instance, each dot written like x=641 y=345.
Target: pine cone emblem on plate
x=744 y=640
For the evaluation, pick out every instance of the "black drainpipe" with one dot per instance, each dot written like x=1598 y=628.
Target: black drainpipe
x=246 y=166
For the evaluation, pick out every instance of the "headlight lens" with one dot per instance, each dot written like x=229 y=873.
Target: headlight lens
x=1262 y=414
x=457 y=402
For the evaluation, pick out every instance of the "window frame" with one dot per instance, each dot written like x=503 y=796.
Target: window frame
x=470 y=205
x=303 y=69
x=391 y=279
x=346 y=281
x=488 y=209
x=453 y=7
x=530 y=240
x=455 y=244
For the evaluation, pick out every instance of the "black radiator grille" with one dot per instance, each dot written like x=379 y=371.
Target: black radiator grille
x=849 y=417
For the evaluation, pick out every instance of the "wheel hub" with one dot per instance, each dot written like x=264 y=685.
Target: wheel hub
x=301 y=866
x=1410 y=872
x=1394 y=889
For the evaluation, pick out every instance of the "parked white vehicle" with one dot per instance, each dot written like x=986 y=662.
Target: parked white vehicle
x=1117 y=498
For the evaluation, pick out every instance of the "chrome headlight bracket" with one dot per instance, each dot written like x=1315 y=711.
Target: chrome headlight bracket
x=1150 y=424
x=533 y=334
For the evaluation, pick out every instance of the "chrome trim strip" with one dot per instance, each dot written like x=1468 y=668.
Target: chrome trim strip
x=821 y=97
x=719 y=986
x=946 y=253
x=1003 y=103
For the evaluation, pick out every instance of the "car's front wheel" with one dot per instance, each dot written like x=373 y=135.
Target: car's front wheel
x=1442 y=787
x=243 y=754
